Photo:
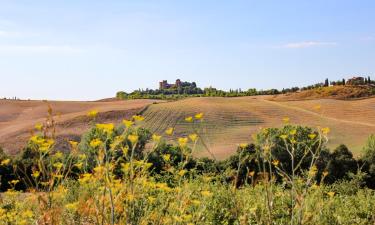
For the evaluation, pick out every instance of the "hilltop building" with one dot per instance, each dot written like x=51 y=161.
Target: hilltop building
x=356 y=81
x=165 y=85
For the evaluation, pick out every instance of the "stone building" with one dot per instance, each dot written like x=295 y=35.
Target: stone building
x=165 y=85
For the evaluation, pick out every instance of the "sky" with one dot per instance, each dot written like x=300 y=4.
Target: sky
x=87 y=50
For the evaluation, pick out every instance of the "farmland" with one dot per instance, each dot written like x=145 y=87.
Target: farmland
x=231 y=121
x=17 y=118
x=228 y=121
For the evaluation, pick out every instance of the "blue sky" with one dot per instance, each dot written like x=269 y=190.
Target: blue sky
x=86 y=50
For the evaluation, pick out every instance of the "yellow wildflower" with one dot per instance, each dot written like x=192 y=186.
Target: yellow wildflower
x=35 y=174
x=49 y=142
x=72 y=206
x=199 y=116
x=169 y=131
x=331 y=194
x=206 y=193
x=99 y=169
x=196 y=202
x=183 y=141
x=130 y=197
x=243 y=145
x=27 y=213
x=92 y=113
x=151 y=199
x=59 y=155
x=85 y=177
x=106 y=127
x=315 y=186
x=284 y=136
x=177 y=219
x=187 y=217
x=14 y=182
x=326 y=130
x=275 y=162
x=78 y=165
x=167 y=157
x=312 y=136
x=125 y=150
x=5 y=162
x=133 y=138
x=125 y=167
x=74 y=144
x=128 y=123
x=189 y=119
x=293 y=132
x=325 y=173
x=38 y=126
x=58 y=165
x=286 y=119
x=266 y=149
x=95 y=142
x=82 y=156
x=313 y=170
x=156 y=138
x=251 y=173
x=58 y=176
x=193 y=137
x=182 y=172
x=138 y=118
x=163 y=187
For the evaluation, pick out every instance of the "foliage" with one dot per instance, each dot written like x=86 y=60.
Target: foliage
x=125 y=175
x=369 y=160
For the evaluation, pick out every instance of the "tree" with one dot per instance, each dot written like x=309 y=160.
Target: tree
x=326 y=83
x=343 y=82
x=340 y=164
x=369 y=161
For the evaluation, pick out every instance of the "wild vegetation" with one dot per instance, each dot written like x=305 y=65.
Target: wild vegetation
x=187 y=89
x=126 y=175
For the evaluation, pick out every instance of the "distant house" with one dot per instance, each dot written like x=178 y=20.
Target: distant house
x=356 y=81
x=165 y=85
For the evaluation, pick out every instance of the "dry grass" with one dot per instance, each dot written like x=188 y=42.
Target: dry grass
x=333 y=92
x=17 y=118
x=231 y=121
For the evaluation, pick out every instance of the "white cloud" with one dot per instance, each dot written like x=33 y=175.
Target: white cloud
x=308 y=44
x=39 y=49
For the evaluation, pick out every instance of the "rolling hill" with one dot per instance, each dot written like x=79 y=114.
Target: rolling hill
x=231 y=121
x=17 y=118
x=227 y=121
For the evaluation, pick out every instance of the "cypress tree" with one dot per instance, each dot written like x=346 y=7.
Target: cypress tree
x=326 y=83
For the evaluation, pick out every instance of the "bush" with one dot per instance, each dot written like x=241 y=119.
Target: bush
x=341 y=164
x=368 y=159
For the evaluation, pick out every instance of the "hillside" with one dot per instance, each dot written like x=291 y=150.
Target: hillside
x=17 y=118
x=228 y=121
x=333 y=92
x=231 y=121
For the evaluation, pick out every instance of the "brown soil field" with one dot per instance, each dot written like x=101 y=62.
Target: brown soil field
x=231 y=121
x=18 y=118
x=227 y=121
